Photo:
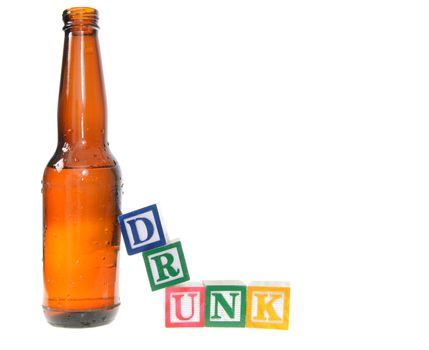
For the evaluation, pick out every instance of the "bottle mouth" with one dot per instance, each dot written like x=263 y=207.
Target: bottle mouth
x=80 y=16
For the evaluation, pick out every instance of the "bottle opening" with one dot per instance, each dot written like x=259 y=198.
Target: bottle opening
x=80 y=17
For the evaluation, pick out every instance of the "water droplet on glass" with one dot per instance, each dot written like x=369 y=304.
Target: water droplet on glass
x=59 y=165
x=66 y=147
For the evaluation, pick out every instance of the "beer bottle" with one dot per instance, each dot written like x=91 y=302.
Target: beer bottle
x=81 y=190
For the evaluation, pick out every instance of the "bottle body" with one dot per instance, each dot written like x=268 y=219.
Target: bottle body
x=81 y=245
x=81 y=191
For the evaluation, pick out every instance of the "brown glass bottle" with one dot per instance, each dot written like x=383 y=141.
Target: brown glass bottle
x=81 y=190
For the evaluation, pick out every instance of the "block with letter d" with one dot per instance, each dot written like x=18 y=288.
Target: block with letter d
x=166 y=265
x=268 y=305
x=184 y=305
x=225 y=304
x=142 y=229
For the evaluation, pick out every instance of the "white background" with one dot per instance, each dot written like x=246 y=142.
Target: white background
x=282 y=140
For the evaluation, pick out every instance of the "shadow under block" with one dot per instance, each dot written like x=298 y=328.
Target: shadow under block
x=166 y=266
x=184 y=305
x=268 y=305
x=142 y=230
x=225 y=304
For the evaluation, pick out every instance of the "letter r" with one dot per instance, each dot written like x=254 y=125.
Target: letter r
x=164 y=266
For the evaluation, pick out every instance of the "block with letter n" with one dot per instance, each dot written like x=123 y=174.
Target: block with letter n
x=268 y=305
x=142 y=229
x=184 y=305
x=166 y=266
x=225 y=304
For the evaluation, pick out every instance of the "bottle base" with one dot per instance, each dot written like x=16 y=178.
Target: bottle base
x=80 y=318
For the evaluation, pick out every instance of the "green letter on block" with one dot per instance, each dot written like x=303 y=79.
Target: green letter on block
x=166 y=266
x=225 y=304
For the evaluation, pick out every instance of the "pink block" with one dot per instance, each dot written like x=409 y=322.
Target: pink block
x=184 y=305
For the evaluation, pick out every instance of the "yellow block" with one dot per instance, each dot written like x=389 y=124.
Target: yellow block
x=268 y=305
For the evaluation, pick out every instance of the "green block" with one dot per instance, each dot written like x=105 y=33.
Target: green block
x=166 y=266
x=225 y=304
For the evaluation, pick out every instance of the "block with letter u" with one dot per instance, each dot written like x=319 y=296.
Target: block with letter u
x=184 y=305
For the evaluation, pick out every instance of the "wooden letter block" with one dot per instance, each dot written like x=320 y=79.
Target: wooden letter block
x=142 y=230
x=166 y=266
x=184 y=305
x=225 y=304
x=268 y=305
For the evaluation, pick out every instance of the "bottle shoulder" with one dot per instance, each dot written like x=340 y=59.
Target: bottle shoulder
x=83 y=156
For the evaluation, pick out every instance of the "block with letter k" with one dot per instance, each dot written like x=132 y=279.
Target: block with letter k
x=268 y=305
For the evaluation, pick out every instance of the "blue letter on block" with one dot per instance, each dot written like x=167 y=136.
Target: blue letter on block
x=136 y=237
x=142 y=230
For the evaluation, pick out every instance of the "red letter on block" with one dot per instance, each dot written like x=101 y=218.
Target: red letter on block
x=184 y=306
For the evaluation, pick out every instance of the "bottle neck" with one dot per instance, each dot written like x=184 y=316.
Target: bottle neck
x=82 y=103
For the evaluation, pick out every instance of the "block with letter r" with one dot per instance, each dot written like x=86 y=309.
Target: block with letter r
x=268 y=305
x=225 y=304
x=166 y=266
x=184 y=305
x=142 y=230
